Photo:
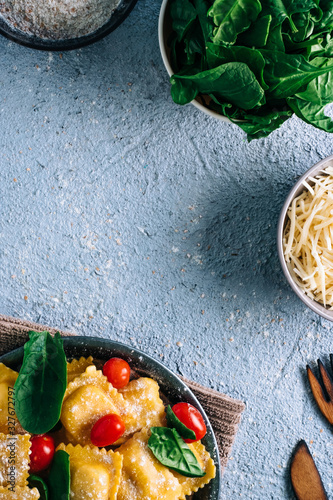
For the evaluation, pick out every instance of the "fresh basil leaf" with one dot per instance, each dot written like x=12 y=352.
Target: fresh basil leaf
x=37 y=482
x=311 y=113
x=234 y=82
x=41 y=384
x=175 y=423
x=59 y=477
x=170 y=450
x=232 y=17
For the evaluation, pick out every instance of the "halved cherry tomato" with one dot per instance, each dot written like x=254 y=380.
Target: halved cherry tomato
x=107 y=430
x=117 y=371
x=192 y=418
x=42 y=452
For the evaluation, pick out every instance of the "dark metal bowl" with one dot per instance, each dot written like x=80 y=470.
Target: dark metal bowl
x=171 y=386
x=118 y=16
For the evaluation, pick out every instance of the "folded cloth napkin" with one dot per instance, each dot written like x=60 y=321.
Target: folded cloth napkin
x=224 y=413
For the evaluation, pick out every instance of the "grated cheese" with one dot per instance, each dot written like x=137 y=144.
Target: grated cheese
x=308 y=238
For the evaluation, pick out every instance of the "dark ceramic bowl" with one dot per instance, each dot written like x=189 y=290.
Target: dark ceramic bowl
x=171 y=386
x=118 y=16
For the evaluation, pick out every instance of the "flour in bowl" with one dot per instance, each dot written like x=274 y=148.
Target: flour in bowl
x=57 y=19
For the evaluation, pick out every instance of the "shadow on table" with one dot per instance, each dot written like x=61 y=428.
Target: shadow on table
x=234 y=238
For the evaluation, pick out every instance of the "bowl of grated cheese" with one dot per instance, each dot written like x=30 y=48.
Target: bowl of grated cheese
x=61 y=24
x=305 y=238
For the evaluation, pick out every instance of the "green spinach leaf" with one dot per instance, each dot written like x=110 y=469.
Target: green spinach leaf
x=59 y=477
x=220 y=54
x=320 y=90
x=311 y=113
x=326 y=22
x=275 y=40
x=262 y=123
x=206 y=23
x=304 y=25
x=234 y=82
x=170 y=450
x=183 y=14
x=37 y=482
x=232 y=17
x=283 y=10
x=287 y=74
x=257 y=34
x=175 y=423
x=41 y=384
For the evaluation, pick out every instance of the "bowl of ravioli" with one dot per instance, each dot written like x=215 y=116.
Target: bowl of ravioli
x=152 y=387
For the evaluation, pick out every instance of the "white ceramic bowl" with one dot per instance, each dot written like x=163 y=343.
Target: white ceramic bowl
x=286 y=267
x=164 y=30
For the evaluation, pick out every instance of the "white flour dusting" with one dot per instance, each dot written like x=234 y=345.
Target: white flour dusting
x=57 y=19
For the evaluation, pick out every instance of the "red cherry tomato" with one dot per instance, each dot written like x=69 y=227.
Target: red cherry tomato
x=42 y=451
x=107 y=430
x=117 y=371
x=192 y=418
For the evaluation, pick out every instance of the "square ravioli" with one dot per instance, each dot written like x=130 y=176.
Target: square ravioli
x=14 y=459
x=88 y=398
x=147 y=407
x=19 y=493
x=8 y=420
x=143 y=477
x=95 y=473
x=78 y=366
x=192 y=484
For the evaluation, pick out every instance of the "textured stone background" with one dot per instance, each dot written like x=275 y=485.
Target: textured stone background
x=125 y=216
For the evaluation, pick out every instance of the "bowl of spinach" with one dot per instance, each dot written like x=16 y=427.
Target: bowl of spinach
x=252 y=62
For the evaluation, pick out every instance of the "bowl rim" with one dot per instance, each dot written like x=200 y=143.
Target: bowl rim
x=296 y=189
x=121 y=12
x=81 y=343
x=164 y=54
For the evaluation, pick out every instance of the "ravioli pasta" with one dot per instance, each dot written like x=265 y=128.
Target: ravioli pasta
x=147 y=407
x=78 y=366
x=14 y=459
x=19 y=493
x=128 y=471
x=95 y=473
x=88 y=398
x=193 y=484
x=8 y=418
x=143 y=477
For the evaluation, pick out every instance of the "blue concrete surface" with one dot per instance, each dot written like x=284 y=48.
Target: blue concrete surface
x=125 y=216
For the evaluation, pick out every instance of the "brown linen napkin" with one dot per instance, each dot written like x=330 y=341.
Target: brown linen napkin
x=224 y=413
